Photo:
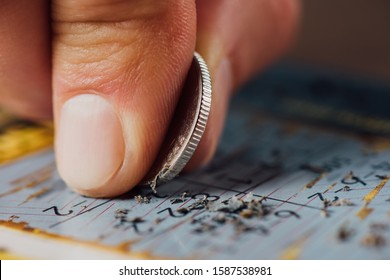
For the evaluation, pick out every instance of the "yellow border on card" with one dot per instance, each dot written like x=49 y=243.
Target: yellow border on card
x=18 y=140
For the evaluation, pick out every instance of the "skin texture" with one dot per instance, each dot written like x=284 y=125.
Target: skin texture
x=110 y=72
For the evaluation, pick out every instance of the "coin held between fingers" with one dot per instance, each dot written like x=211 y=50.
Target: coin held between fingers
x=187 y=126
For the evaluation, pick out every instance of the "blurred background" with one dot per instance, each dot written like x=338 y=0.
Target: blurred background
x=349 y=36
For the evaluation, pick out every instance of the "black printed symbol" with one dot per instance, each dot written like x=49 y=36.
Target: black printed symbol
x=317 y=194
x=286 y=214
x=170 y=212
x=56 y=212
x=353 y=180
x=344 y=189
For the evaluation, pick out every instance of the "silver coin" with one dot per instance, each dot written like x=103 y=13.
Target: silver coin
x=187 y=126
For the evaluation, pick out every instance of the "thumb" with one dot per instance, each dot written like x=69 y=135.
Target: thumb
x=118 y=67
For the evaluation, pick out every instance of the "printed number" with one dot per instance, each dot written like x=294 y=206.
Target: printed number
x=286 y=214
x=56 y=212
x=208 y=196
x=353 y=180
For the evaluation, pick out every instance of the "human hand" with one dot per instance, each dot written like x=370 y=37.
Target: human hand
x=112 y=72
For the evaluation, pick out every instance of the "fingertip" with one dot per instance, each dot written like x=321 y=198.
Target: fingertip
x=131 y=56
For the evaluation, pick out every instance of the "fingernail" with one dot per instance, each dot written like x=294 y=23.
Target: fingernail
x=90 y=146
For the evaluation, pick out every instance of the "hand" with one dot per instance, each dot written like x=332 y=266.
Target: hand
x=113 y=71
